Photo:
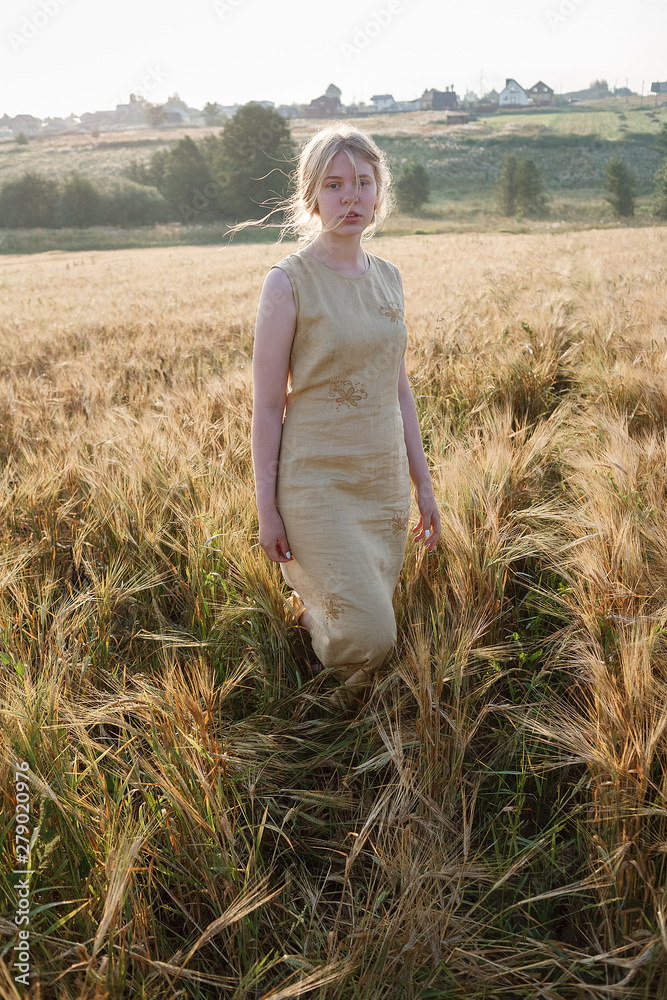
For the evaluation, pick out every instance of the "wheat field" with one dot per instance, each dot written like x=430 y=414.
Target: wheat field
x=491 y=822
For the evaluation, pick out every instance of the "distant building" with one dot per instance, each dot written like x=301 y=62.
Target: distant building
x=53 y=126
x=541 y=94
x=100 y=119
x=227 y=110
x=289 y=110
x=457 y=118
x=184 y=116
x=28 y=124
x=444 y=99
x=426 y=100
x=323 y=107
x=512 y=95
x=132 y=113
x=657 y=89
x=407 y=105
x=175 y=118
x=383 y=102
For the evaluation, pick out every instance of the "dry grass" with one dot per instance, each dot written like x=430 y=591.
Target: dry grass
x=492 y=822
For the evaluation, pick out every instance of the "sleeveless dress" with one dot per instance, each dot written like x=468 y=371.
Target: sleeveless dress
x=343 y=484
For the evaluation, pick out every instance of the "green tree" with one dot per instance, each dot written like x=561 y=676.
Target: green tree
x=506 y=189
x=660 y=192
x=176 y=102
x=29 y=202
x=150 y=174
x=412 y=187
x=520 y=187
x=619 y=182
x=187 y=184
x=531 y=197
x=253 y=161
x=154 y=114
x=212 y=115
x=127 y=205
x=22 y=139
x=80 y=202
x=661 y=138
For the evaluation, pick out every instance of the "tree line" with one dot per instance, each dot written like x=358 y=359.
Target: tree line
x=244 y=172
x=521 y=190
x=241 y=173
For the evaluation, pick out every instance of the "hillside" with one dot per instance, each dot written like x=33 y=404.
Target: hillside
x=569 y=146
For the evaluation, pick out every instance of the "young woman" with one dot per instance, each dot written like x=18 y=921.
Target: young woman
x=335 y=436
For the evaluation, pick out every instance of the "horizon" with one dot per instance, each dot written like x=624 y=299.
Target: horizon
x=62 y=58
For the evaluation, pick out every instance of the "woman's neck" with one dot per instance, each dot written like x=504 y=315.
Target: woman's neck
x=343 y=254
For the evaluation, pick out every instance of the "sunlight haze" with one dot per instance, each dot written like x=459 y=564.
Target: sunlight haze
x=63 y=56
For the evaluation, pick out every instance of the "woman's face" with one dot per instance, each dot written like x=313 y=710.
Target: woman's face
x=345 y=207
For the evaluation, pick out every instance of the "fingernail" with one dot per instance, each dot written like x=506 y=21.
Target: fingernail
x=288 y=554
x=427 y=533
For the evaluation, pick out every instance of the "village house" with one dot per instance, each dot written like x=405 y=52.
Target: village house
x=444 y=99
x=132 y=113
x=383 y=102
x=54 y=126
x=659 y=88
x=28 y=124
x=541 y=94
x=512 y=95
x=326 y=106
x=407 y=105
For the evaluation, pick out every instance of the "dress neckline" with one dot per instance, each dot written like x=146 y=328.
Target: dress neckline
x=346 y=277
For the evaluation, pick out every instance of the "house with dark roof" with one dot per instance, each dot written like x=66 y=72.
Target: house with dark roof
x=541 y=94
x=444 y=99
x=323 y=107
x=512 y=95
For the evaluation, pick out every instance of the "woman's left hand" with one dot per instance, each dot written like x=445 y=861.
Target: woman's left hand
x=428 y=528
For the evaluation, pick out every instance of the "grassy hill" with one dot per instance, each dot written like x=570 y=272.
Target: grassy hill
x=570 y=146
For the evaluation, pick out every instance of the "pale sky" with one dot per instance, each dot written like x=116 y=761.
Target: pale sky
x=62 y=56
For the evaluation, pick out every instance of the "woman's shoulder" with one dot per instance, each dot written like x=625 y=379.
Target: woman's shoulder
x=291 y=263
x=386 y=267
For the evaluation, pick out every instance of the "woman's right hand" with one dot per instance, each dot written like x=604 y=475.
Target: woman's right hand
x=272 y=536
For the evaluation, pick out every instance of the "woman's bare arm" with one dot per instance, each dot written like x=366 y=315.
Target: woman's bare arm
x=419 y=471
x=274 y=332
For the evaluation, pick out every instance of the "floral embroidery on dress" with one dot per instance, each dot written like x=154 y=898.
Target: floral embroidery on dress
x=399 y=521
x=347 y=393
x=333 y=609
x=394 y=310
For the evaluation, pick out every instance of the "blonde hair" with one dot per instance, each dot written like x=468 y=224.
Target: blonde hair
x=301 y=212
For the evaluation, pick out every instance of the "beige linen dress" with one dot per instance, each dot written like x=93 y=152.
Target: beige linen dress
x=343 y=485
